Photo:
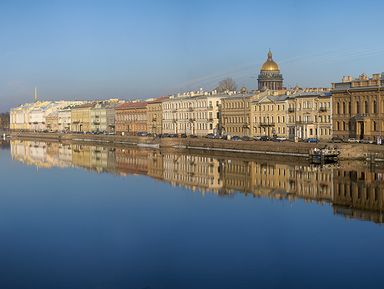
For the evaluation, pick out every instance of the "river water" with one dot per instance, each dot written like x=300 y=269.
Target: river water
x=83 y=216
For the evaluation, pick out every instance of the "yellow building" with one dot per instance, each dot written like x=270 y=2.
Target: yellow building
x=235 y=115
x=81 y=118
x=269 y=115
x=52 y=121
x=309 y=115
x=155 y=115
x=358 y=107
x=361 y=189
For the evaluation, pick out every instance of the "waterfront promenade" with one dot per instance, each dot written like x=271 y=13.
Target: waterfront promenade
x=284 y=149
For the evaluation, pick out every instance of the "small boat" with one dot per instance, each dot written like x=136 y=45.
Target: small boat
x=149 y=145
x=324 y=155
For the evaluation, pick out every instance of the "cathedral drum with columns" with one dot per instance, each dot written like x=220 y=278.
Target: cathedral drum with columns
x=270 y=77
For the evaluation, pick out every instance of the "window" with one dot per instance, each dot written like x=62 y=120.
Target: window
x=374 y=106
x=357 y=107
x=338 y=108
x=366 y=107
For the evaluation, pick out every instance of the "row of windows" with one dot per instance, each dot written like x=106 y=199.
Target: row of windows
x=342 y=125
x=311 y=131
x=198 y=115
x=187 y=126
x=363 y=107
x=236 y=119
x=189 y=104
x=236 y=105
x=311 y=104
x=316 y=119
x=263 y=130
x=267 y=107
x=131 y=117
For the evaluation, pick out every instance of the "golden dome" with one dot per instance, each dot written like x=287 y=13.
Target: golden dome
x=270 y=65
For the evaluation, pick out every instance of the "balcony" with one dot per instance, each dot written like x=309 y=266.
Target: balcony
x=190 y=109
x=323 y=109
x=210 y=107
x=291 y=110
x=210 y=119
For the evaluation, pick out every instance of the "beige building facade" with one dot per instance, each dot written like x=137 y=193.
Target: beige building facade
x=358 y=107
x=81 y=118
x=131 y=118
x=269 y=116
x=309 y=116
x=235 y=115
x=155 y=116
x=192 y=115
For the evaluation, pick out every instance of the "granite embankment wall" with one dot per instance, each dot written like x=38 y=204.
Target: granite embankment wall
x=348 y=151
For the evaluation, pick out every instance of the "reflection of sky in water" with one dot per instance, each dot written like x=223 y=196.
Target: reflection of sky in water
x=72 y=228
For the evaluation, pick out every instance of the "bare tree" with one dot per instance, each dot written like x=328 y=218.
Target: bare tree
x=4 y=121
x=227 y=84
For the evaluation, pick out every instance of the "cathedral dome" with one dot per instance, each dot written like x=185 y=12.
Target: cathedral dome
x=270 y=65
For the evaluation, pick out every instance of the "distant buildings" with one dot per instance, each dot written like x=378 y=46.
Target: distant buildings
x=33 y=116
x=353 y=108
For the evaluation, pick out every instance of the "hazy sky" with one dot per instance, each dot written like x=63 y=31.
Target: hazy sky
x=101 y=49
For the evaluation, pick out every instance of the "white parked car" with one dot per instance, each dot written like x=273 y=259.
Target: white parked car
x=353 y=140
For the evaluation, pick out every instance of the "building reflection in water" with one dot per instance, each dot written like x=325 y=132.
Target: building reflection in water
x=354 y=191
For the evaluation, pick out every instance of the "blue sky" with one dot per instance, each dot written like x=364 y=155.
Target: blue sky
x=101 y=49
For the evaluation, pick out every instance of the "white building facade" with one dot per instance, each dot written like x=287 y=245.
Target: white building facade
x=192 y=115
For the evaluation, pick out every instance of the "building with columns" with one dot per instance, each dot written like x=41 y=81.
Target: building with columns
x=269 y=114
x=358 y=107
x=270 y=76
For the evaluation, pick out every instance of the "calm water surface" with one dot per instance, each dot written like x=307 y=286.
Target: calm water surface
x=75 y=216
